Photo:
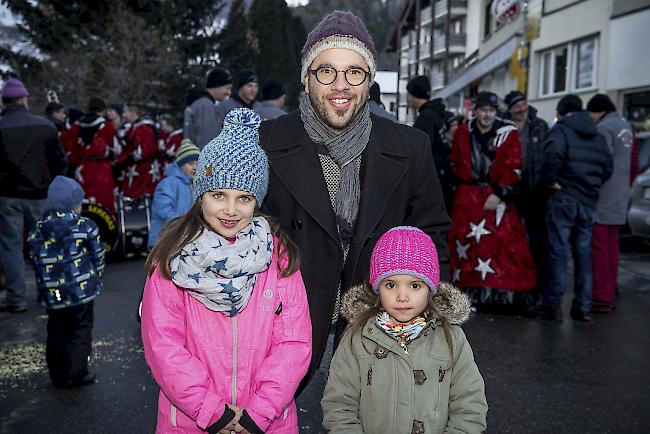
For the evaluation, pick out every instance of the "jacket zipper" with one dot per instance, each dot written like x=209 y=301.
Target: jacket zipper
x=370 y=376
x=173 y=416
x=234 y=361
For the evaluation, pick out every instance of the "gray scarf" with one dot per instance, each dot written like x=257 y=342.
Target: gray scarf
x=345 y=149
x=222 y=275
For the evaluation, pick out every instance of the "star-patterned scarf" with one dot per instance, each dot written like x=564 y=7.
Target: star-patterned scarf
x=403 y=333
x=220 y=274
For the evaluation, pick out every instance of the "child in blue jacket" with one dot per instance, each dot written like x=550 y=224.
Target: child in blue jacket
x=173 y=195
x=68 y=257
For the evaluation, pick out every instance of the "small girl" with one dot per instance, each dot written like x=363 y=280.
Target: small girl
x=404 y=368
x=225 y=320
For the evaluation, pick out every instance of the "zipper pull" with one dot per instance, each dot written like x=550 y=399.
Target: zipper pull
x=441 y=375
x=370 y=376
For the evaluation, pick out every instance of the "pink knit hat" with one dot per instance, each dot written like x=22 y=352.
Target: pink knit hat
x=405 y=250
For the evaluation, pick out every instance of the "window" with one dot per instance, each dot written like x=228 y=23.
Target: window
x=570 y=67
x=487 y=22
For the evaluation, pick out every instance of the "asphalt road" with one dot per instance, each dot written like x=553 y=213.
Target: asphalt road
x=540 y=377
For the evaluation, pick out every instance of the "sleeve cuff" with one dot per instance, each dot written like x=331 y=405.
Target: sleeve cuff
x=220 y=424
x=247 y=422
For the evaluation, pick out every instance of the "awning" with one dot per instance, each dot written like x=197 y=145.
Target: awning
x=489 y=63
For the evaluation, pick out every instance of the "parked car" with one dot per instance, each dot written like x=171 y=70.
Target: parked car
x=638 y=215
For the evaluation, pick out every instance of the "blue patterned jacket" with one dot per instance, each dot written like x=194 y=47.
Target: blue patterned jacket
x=68 y=256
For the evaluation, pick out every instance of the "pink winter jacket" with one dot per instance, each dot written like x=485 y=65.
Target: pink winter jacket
x=203 y=360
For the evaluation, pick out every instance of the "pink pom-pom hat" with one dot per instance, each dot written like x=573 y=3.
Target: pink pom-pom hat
x=405 y=250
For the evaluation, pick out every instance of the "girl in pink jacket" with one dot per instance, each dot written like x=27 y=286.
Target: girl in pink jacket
x=225 y=320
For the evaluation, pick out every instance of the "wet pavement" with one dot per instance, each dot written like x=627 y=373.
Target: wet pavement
x=540 y=377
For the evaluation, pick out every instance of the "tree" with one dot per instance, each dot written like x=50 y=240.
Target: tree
x=280 y=38
x=147 y=51
x=237 y=46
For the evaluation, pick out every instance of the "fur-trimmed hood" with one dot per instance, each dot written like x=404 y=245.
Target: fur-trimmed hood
x=449 y=302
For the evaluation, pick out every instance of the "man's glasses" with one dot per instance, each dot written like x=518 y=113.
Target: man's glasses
x=327 y=75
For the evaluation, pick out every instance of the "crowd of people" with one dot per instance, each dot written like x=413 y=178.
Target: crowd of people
x=271 y=230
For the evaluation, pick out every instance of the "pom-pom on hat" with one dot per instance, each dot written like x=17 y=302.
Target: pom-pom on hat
x=405 y=250
x=64 y=194
x=234 y=159
x=340 y=29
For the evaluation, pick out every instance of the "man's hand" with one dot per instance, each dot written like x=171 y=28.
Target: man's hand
x=556 y=187
x=491 y=203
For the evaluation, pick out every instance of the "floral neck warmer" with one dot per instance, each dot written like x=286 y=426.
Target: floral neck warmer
x=220 y=274
x=403 y=333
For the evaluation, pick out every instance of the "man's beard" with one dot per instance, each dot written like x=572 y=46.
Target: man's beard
x=486 y=123
x=322 y=109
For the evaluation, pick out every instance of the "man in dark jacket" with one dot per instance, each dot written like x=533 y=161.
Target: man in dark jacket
x=245 y=96
x=340 y=177
x=531 y=199
x=431 y=120
x=576 y=164
x=30 y=157
x=200 y=123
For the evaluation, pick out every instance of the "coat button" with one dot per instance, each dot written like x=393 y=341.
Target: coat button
x=418 y=427
x=419 y=376
x=296 y=225
x=381 y=352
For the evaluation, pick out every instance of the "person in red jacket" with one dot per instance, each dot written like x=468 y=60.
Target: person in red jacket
x=93 y=138
x=141 y=171
x=489 y=252
x=169 y=141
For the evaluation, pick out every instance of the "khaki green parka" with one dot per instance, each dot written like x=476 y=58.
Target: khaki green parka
x=374 y=387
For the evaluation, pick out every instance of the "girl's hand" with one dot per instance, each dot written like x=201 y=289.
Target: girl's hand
x=241 y=429
x=491 y=203
x=234 y=423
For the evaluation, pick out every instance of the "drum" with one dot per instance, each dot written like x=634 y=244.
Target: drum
x=105 y=221
x=134 y=222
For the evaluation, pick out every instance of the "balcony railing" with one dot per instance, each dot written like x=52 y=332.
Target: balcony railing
x=456 y=40
x=441 y=7
x=437 y=80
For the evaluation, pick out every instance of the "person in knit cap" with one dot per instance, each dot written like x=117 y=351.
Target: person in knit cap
x=225 y=319
x=340 y=175
x=531 y=200
x=199 y=119
x=375 y=104
x=173 y=195
x=68 y=257
x=486 y=229
x=274 y=94
x=245 y=96
x=32 y=157
x=577 y=162
x=404 y=317
x=613 y=199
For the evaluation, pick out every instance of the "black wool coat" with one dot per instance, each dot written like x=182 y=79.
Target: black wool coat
x=399 y=186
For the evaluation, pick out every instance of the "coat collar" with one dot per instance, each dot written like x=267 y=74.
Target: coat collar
x=294 y=159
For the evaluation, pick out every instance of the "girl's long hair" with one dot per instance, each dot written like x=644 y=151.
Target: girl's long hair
x=430 y=312
x=179 y=232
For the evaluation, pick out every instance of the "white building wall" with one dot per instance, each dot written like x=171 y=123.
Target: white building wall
x=628 y=65
x=473 y=28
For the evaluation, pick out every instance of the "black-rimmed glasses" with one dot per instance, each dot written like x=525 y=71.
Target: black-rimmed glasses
x=327 y=75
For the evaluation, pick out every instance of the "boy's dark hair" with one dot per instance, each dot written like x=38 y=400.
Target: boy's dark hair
x=53 y=107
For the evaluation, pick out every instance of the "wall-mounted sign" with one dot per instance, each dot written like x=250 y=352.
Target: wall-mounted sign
x=505 y=11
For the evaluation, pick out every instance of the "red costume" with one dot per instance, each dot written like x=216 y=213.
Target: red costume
x=167 y=147
x=94 y=139
x=138 y=159
x=488 y=248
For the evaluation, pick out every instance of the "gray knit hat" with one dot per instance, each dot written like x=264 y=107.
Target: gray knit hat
x=339 y=29
x=234 y=159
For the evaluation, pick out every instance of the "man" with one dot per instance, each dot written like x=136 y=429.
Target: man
x=94 y=139
x=274 y=94
x=531 y=200
x=114 y=114
x=247 y=89
x=375 y=104
x=31 y=158
x=611 y=210
x=200 y=117
x=431 y=120
x=340 y=177
x=138 y=158
x=490 y=256
x=576 y=164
